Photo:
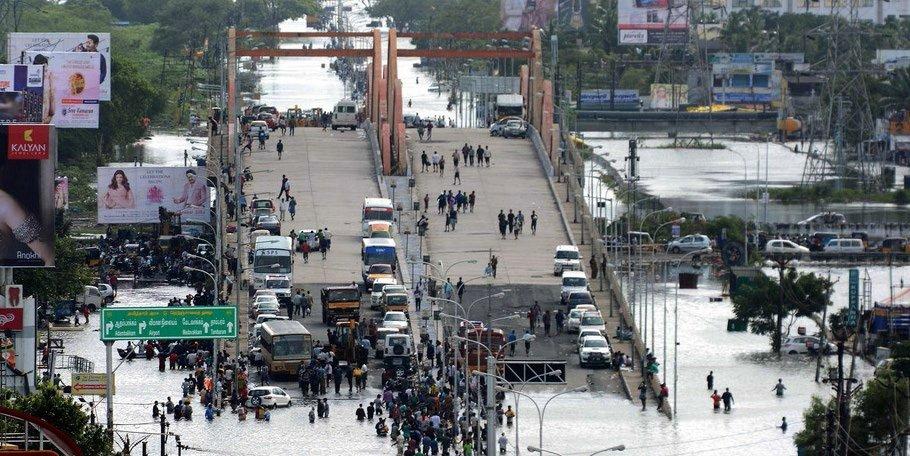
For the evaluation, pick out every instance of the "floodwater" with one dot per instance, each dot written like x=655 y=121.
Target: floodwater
x=713 y=181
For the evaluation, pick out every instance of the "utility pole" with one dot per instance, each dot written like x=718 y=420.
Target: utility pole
x=778 y=326
x=491 y=412
x=824 y=338
x=163 y=433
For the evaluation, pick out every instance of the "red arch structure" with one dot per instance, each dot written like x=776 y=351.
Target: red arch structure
x=38 y=434
x=384 y=98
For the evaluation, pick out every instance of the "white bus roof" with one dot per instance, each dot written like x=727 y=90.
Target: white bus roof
x=273 y=242
x=378 y=242
x=377 y=202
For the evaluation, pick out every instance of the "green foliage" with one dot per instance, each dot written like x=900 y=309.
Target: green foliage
x=186 y=25
x=636 y=78
x=759 y=303
x=71 y=16
x=811 y=440
x=64 y=413
x=893 y=92
x=826 y=193
x=64 y=280
x=440 y=15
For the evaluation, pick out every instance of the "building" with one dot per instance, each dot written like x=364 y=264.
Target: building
x=868 y=10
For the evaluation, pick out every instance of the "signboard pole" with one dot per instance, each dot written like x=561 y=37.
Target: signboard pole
x=109 y=368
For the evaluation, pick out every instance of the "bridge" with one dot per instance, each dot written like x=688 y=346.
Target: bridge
x=679 y=122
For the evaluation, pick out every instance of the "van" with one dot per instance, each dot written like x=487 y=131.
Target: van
x=258 y=126
x=573 y=281
x=845 y=245
x=344 y=115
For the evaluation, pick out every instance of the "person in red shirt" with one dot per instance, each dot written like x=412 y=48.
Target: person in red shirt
x=716 y=399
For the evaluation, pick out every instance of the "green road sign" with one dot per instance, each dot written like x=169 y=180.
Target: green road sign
x=132 y=323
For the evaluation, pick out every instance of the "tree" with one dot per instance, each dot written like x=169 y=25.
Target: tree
x=64 y=413
x=894 y=91
x=66 y=279
x=186 y=26
x=759 y=303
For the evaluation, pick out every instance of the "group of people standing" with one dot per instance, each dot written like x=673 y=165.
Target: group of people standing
x=514 y=223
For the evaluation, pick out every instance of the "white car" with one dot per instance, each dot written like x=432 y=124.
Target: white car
x=264 y=293
x=268 y=396
x=566 y=258
x=583 y=334
x=573 y=281
x=592 y=321
x=845 y=245
x=573 y=320
x=785 y=247
x=690 y=243
x=801 y=344
x=395 y=319
x=376 y=292
x=594 y=351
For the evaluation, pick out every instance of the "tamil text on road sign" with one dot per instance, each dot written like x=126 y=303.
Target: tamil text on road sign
x=131 y=323
x=91 y=384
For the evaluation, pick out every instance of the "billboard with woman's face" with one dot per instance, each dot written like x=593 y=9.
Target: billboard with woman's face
x=27 y=195
x=134 y=194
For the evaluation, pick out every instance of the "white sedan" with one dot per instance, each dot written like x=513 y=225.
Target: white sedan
x=269 y=396
x=804 y=344
x=395 y=319
x=585 y=334
x=592 y=321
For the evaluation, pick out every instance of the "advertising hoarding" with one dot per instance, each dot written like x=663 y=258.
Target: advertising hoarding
x=652 y=22
x=524 y=15
x=669 y=96
x=62 y=193
x=27 y=176
x=134 y=194
x=22 y=94
x=599 y=99
x=21 y=43
x=74 y=92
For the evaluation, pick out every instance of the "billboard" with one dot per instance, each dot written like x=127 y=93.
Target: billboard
x=133 y=195
x=600 y=99
x=669 y=96
x=652 y=22
x=73 y=88
x=22 y=94
x=62 y=193
x=523 y=15
x=21 y=43
x=27 y=176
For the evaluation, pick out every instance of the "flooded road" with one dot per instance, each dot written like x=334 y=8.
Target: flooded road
x=713 y=181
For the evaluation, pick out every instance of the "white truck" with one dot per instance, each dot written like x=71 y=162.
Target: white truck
x=97 y=296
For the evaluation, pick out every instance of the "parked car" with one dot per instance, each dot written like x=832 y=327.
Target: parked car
x=496 y=128
x=594 y=351
x=572 y=281
x=269 y=223
x=268 y=396
x=380 y=340
x=579 y=297
x=514 y=129
x=804 y=344
x=690 y=243
x=825 y=218
x=573 y=320
x=893 y=245
x=583 y=334
x=262 y=203
x=375 y=272
x=376 y=292
x=845 y=245
x=394 y=319
x=784 y=247
x=566 y=258
x=96 y=297
x=592 y=321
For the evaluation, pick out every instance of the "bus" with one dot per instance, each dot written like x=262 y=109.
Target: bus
x=272 y=255
x=285 y=344
x=375 y=209
x=377 y=251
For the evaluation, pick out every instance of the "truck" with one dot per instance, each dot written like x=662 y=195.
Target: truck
x=509 y=105
x=340 y=303
x=96 y=297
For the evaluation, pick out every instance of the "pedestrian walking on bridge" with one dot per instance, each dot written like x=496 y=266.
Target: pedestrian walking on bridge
x=280 y=148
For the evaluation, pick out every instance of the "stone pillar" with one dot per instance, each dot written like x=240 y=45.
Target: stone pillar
x=376 y=78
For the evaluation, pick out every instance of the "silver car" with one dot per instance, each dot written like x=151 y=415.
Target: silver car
x=690 y=243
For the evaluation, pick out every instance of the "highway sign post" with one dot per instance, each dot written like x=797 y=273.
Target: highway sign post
x=137 y=323
x=853 y=302
x=160 y=323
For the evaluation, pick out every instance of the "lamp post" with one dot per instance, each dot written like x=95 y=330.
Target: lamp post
x=215 y=346
x=491 y=367
x=745 y=222
x=533 y=448
x=512 y=387
x=542 y=412
x=676 y=326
